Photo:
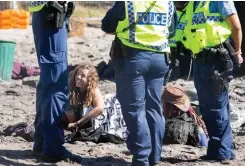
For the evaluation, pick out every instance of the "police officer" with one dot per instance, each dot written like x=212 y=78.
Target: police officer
x=212 y=28
x=180 y=11
x=142 y=29
x=52 y=90
x=179 y=64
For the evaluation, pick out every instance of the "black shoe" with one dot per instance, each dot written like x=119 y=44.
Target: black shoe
x=212 y=159
x=74 y=158
x=48 y=159
x=208 y=158
x=37 y=151
x=68 y=157
x=225 y=162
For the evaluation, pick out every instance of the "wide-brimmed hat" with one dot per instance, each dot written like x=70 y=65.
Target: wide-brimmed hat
x=175 y=95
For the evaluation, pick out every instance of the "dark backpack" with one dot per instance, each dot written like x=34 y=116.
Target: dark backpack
x=181 y=130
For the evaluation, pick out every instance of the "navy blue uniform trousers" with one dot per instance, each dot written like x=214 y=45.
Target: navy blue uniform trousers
x=215 y=110
x=139 y=80
x=52 y=89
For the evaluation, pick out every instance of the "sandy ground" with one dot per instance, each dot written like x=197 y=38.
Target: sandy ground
x=93 y=47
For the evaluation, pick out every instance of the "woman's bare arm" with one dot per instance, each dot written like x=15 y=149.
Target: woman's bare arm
x=98 y=104
x=236 y=35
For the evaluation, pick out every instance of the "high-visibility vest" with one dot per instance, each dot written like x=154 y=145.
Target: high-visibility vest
x=179 y=29
x=35 y=6
x=204 y=29
x=150 y=33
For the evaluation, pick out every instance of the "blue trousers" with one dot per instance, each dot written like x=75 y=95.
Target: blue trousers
x=139 y=80
x=215 y=110
x=52 y=89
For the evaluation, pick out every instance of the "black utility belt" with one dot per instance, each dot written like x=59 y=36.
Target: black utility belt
x=118 y=49
x=219 y=56
x=213 y=53
x=210 y=51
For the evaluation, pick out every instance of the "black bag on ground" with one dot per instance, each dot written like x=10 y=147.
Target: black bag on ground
x=97 y=136
x=181 y=130
x=22 y=130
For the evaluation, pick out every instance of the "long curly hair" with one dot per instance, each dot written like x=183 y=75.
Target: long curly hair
x=77 y=98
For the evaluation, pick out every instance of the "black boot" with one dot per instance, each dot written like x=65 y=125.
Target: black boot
x=68 y=156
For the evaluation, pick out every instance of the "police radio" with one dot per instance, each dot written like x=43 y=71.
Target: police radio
x=61 y=10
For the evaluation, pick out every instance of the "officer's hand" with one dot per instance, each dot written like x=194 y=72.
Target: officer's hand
x=239 y=58
x=72 y=126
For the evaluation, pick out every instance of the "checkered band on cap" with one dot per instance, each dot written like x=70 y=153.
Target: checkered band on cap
x=131 y=21
x=36 y=3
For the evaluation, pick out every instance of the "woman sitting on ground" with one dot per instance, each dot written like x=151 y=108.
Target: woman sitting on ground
x=183 y=125
x=88 y=116
x=86 y=106
x=86 y=101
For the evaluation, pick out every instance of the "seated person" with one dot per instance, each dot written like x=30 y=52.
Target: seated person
x=183 y=125
x=88 y=111
x=86 y=114
x=86 y=101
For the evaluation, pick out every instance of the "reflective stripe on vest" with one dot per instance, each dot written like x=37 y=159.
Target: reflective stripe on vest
x=204 y=29
x=179 y=29
x=35 y=6
x=151 y=32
